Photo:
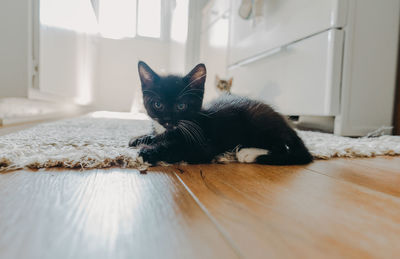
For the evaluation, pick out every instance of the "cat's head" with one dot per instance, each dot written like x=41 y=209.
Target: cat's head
x=169 y=99
x=223 y=85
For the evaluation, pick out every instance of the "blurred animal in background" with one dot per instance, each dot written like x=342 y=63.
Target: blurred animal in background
x=223 y=85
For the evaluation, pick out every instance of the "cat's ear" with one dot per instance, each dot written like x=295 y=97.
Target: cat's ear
x=216 y=80
x=146 y=74
x=230 y=81
x=197 y=77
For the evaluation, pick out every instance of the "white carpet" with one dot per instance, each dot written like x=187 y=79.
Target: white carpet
x=100 y=140
x=23 y=107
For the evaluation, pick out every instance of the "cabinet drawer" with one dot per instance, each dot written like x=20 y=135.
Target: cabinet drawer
x=300 y=79
x=282 y=22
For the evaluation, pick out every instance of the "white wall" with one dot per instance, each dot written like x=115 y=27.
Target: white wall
x=177 y=58
x=102 y=72
x=14 y=48
x=68 y=61
x=78 y=67
x=118 y=84
x=68 y=51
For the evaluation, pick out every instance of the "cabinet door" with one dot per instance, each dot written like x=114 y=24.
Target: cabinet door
x=280 y=23
x=213 y=53
x=301 y=79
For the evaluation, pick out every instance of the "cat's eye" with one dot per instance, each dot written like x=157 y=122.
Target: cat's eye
x=158 y=105
x=181 y=106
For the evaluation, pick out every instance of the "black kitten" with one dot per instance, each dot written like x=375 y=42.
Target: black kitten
x=196 y=135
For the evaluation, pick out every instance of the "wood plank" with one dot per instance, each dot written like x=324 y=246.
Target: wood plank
x=112 y=213
x=285 y=212
x=384 y=176
x=389 y=163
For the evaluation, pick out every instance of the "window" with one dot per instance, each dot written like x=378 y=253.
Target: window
x=180 y=18
x=74 y=15
x=117 y=18
x=149 y=18
x=128 y=18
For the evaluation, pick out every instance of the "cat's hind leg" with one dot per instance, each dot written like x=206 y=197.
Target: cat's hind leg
x=249 y=155
x=263 y=156
x=286 y=149
x=289 y=152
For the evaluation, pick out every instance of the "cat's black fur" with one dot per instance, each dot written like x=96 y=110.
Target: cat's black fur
x=196 y=135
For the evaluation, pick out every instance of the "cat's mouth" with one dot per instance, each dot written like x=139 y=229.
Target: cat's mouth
x=169 y=126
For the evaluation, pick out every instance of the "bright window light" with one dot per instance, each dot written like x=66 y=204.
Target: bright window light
x=149 y=18
x=75 y=15
x=219 y=34
x=117 y=18
x=179 y=25
x=119 y=115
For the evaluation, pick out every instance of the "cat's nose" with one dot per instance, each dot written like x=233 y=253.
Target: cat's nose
x=168 y=125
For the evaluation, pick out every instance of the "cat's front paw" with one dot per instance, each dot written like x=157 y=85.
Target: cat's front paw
x=149 y=154
x=145 y=140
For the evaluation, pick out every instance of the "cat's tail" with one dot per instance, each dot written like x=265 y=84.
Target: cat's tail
x=298 y=153
x=294 y=153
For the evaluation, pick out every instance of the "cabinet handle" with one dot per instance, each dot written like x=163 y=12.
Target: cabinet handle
x=257 y=57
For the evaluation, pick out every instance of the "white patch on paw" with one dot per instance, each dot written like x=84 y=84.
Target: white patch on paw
x=158 y=128
x=249 y=155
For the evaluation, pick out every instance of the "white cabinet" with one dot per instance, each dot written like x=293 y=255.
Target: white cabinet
x=15 y=48
x=281 y=22
x=300 y=79
x=332 y=58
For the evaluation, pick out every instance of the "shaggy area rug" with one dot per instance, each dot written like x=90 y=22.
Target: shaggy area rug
x=100 y=140
x=23 y=107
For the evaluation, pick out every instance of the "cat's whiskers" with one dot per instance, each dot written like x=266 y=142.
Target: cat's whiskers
x=200 y=91
x=207 y=115
x=195 y=131
x=196 y=92
x=191 y=138
x=191 y=83
x=186 y=133
x=194 y=125
x=151 y=99
x=201 y=113
x=201 y=98
x=151 y=92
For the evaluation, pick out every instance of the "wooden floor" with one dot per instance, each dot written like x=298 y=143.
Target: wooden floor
x=341 y=208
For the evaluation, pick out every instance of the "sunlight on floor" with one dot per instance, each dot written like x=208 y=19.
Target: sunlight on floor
x=119 y=115
x=108 y=210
